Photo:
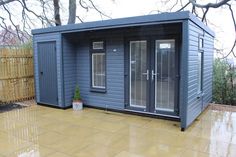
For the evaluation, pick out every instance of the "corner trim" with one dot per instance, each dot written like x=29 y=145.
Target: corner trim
x=184 y=75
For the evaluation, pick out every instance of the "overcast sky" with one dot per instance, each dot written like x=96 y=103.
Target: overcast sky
x=220 y=19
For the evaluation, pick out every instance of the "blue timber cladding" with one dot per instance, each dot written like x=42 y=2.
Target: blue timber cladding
x=208 y=68
x=196 y=105
x=114 y=96
x=49 y=37
x=69 y=70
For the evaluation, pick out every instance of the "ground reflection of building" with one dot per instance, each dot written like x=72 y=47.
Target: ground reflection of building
x=22 y=130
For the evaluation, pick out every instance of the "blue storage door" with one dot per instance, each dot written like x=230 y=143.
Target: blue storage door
x=48 y=73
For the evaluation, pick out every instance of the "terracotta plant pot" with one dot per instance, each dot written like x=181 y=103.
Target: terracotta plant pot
x=77 y=105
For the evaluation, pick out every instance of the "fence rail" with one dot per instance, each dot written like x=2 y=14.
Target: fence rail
x=16 y=75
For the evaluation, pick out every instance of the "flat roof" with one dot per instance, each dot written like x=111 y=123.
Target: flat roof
x=126 y=22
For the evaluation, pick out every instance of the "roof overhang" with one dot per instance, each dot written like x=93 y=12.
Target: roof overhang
x=126 y=22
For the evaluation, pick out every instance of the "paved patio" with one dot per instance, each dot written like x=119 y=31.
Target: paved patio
x=38 y=131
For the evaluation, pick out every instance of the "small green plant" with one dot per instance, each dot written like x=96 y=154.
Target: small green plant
x=77 y=93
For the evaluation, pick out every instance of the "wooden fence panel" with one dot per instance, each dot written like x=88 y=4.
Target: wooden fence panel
x=16 y=75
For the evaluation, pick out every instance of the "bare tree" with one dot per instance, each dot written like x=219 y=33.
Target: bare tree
x=44 y=12
x=26 y=17
x=48 y=12
x=201 y=11
x=72 y=11
x=57 y=12
x=205 y=9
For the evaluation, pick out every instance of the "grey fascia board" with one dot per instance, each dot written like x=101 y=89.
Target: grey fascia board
x=125 y=22
x=123 y=26
x=115 y=23
x=195 y=20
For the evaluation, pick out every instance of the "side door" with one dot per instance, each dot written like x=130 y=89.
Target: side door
x=48 y=73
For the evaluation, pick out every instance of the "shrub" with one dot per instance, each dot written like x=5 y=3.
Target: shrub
x=224 y=82
x=77 y=93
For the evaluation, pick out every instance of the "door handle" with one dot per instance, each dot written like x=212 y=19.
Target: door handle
x=153 y=74
x=177 y=76
x=147 y=74
x=41 y=73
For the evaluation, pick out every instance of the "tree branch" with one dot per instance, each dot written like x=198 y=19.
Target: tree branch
x=24 y=6
x=3 y=2
x=234 y=22
x=4 y=26
x=80 y=19
x=176 y=2
x=209 y=5
x=204 y=14
x=183 y=7
x=100 y=12
x=217 y=5
x=10 y=18
x=83 y=5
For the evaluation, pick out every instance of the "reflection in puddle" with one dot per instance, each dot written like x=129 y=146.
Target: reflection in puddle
x=38 y=131
x=22 y=131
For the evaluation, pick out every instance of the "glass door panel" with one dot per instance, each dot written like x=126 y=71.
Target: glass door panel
x=138 y=73
x=165 y=75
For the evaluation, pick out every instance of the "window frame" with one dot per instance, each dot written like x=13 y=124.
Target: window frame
x=200 y=44
x=97 y=51
x=200 y=52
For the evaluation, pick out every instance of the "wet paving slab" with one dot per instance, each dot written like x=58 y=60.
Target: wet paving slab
x=38 y=131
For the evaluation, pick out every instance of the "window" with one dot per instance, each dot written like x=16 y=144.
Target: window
x=200 y=43
x=200 y=71
x=165 y=46
x=97 y=45
x=98 y=70
x=200 y=63
x=98 y=67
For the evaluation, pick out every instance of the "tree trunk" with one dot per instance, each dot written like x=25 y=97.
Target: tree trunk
x=57 y=12
x=72 y=11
